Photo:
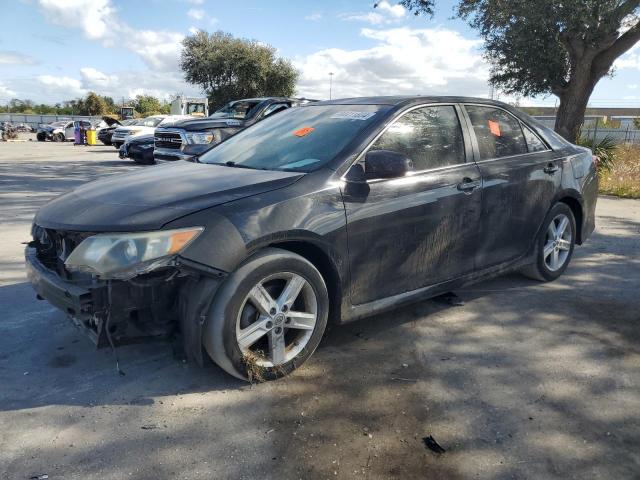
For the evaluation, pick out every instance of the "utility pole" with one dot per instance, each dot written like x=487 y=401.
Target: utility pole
x=330 y=84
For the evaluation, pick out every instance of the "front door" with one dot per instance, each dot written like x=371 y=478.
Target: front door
x=421 y=229
x=520 y=175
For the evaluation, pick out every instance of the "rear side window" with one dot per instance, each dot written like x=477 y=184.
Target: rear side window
x=498 y=133
x=533 y=141
x=430 y=136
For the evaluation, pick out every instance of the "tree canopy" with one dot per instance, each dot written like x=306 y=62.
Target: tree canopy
x=146 y=105
x=229 y=68
x=550 y=47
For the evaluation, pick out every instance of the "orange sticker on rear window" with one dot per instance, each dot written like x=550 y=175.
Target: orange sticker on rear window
x=303 y=131
x=494 y=127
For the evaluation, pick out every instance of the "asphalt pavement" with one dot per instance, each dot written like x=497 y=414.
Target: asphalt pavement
x=522 y=381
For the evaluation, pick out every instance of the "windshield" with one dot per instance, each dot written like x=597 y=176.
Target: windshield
x=195 y=108
x=299 y=139
x=239 y=109
x=150 y=121
x=59 y=124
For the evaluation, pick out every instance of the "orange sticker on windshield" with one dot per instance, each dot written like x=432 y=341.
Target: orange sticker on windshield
x=494 y=127
x=303 y=131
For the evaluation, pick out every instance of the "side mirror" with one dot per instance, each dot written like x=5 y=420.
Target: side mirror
x=386 y=164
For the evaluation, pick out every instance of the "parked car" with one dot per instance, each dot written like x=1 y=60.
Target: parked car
x=59 y=131
x=338 y=209
x=139 y=149
x=186 y=139
x=143 y=126
x=105 y=133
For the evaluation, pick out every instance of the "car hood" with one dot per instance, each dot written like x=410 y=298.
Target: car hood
x=148 y=199
x=207 y=123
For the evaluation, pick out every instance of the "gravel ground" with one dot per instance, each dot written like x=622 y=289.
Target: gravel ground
x=525 y=380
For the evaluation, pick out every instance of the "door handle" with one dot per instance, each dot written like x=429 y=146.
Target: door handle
x=551 y=169
x=467 y=185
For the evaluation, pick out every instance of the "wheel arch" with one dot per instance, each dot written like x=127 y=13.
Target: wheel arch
x=576 y=207
x=326 y=265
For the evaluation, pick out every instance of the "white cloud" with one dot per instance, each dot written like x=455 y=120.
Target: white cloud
x=50 y=86
x=98 y=19
x=385 y=13
x=632 y=86
x=195 y=2
x=95 y=17
x=196 y=13
x=6 y=93
x=631 y=59
x=93 y=79
x=403 y=61
x=16 y=58
x=395 y=11
x=314 y=17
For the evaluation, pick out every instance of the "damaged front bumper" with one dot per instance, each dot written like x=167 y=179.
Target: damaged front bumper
x=156 y=305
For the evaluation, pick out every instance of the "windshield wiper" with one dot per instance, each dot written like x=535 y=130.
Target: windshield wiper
x=238 y=165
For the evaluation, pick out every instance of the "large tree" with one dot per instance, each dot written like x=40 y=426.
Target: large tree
x=147 y=105
x=555 y=47
x=94 y=104
x=229 y=68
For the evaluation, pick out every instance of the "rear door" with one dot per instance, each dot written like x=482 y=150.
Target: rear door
x=409 y=232
x=520 y=177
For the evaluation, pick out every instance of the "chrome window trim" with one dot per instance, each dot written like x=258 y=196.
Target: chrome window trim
x=389 y=124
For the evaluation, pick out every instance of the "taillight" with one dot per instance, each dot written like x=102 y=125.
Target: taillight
x=595 y=160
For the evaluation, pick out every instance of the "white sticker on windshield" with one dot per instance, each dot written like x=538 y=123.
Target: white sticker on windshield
x=353 y=115
x=233 y=123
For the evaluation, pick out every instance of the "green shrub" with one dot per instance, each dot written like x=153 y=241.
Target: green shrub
x=606 y=151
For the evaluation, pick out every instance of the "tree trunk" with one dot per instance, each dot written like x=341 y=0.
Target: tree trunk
x=573 y=104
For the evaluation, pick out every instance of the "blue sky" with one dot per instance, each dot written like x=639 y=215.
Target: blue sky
x=52 y=50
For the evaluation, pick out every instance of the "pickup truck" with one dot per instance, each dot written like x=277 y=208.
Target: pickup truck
x=189 y=138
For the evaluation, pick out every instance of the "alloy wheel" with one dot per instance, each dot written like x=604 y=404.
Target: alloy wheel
x=557 y=244
x=277 y=319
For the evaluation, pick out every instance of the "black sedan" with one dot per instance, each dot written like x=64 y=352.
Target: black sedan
x=139 y=149
x=331 y=211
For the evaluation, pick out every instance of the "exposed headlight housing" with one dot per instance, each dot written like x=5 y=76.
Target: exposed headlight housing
x=133 y=132
x=213 y=136
x=125 y=255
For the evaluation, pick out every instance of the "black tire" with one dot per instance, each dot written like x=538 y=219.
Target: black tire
x=41 y=137
x=219 y=332
x=540 y=269
x=58 y=137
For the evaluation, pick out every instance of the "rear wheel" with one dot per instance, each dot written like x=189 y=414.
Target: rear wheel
x=58 y=137
x=268 y=317
x=554 y=246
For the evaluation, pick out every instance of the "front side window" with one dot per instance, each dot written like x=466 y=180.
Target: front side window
x=498 y=133
x=430 y=136
x=299 y=139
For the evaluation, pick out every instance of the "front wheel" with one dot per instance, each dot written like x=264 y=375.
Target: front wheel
x=268 y=317
x=554 y=245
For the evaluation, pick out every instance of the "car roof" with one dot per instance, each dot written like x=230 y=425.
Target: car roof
x=401 y=100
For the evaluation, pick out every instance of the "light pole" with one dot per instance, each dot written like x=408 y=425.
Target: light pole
x=330 y=83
